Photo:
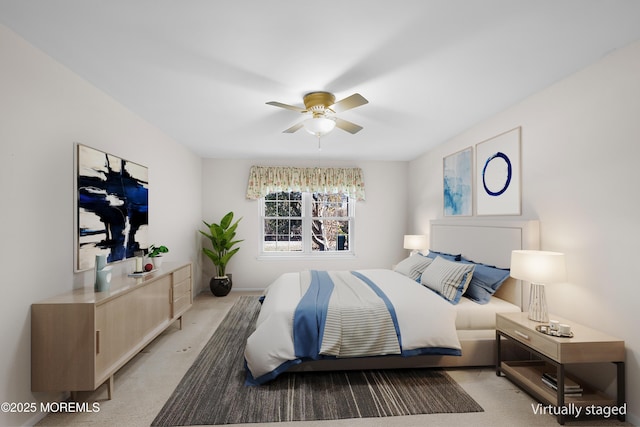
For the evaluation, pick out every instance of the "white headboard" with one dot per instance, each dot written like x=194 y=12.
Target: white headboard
x=488 y=242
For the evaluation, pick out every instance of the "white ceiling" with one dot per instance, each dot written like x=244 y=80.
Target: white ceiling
x=202 y=70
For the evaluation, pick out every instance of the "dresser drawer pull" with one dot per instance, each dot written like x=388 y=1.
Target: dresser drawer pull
x=525 y=336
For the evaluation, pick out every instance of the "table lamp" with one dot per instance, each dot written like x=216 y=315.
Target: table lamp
x=415 y=242
x=539 y=268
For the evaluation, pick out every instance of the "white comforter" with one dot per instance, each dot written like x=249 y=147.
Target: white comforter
x=425 y=319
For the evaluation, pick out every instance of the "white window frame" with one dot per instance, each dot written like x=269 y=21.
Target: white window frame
x=307 y=252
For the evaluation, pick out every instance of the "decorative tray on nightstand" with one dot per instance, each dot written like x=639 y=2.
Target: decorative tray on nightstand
x=546 y=329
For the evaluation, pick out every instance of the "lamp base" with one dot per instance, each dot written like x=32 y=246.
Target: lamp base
x=538 y=304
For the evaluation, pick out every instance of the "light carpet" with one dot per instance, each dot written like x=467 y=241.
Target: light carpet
x=212 y=392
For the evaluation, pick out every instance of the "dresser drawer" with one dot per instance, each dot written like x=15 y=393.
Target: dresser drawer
x=182 y=274
x=527 y=336
x=181 y=288
x=180 y=305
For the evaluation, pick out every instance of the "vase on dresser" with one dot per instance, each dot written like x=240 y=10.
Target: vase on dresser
x=156 y=261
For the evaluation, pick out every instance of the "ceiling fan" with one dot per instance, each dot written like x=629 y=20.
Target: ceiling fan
x=322 y=107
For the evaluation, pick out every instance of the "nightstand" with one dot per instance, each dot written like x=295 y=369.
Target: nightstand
x=549 y=354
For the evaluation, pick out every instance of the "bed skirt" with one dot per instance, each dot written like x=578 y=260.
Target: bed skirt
x=478 y=349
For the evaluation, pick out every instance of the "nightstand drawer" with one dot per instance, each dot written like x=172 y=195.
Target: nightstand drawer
x=533 y=339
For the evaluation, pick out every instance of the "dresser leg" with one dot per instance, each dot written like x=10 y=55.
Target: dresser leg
x=110 y=383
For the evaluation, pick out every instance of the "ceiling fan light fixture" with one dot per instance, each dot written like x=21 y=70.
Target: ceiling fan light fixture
x=322 y=106
x=319 y=126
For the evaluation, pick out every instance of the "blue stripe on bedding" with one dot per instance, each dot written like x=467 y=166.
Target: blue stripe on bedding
x=383 y=296
x=310 y=314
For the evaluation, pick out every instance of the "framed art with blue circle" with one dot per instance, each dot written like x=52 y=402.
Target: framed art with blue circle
x=498 y=175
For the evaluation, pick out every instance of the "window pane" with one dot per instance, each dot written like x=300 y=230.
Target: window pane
x=270 y=208
x=330 y=205
x=295 y=208
x=268 y=244
x=295 y=246
x=296 y=228
x=330 y=235
x=269 y=227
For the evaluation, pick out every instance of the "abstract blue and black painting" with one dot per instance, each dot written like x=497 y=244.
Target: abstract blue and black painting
x=112 y=207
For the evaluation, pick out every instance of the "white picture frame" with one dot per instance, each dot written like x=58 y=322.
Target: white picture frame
x=498 y=175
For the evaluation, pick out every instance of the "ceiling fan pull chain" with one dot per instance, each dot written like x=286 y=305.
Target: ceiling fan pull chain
x=319 y=148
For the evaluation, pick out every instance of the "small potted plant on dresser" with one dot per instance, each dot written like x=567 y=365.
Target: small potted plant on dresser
x=155 y=254
x=222 y=237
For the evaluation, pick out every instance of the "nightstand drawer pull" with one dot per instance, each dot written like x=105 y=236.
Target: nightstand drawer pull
x=526 y=337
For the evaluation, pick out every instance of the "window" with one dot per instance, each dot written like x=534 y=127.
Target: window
x=296 y=223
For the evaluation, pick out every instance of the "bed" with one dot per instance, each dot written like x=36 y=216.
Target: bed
x=475 y=241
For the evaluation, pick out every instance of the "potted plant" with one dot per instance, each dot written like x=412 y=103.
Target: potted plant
x=222 y=240
x=155 y=254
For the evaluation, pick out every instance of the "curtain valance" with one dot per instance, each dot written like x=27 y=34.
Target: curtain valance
x=270 y=179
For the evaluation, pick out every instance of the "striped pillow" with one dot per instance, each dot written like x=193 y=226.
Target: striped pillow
x=413 y=266
x=448 y=278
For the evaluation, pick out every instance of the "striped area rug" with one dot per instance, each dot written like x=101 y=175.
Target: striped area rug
x=212 y=391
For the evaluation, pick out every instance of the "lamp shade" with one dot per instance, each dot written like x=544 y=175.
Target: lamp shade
x=538 y=266
x=319 y=126
x=415 y=241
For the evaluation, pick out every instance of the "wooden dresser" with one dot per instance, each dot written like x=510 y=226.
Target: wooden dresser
x=81 y=338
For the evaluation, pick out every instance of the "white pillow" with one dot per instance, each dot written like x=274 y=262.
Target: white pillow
x=448 y=278
x=413 y=266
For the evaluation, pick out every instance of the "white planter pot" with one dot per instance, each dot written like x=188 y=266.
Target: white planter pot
x=157 y=262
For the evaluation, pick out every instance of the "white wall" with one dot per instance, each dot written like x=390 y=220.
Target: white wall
x=44 y=109
x=580 y=151
x=380 y=219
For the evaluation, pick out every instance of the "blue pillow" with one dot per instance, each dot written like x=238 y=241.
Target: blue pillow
x=450 y=257
x=485 y=281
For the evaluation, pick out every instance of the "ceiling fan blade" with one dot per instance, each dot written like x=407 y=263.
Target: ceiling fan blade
x=349 y=102
x=347 y=125
x=287 y=106
x=293 y=128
